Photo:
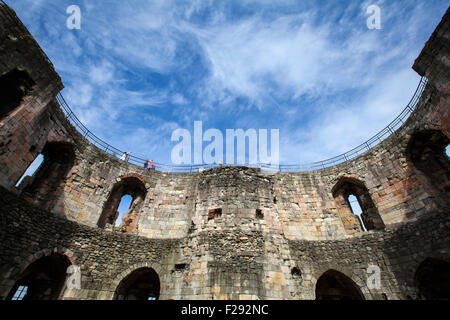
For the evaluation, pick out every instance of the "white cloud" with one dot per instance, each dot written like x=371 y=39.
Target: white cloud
x=101 y=73
x=343 y=127
x=334 y=83
x=179 y=99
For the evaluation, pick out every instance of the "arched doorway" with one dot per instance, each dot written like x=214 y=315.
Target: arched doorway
x=432 y=279
x=141 y=284
x=42 y=280
x=334 y=285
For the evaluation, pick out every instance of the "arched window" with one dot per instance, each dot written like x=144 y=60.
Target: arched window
x=131 y=186
x=14 y=86
x=432 y=279
x=355 y=206
x=334 y=285
x=141 y=284
x=427 y=151
x=59 y=158
x=356 y=209
x=44 y=279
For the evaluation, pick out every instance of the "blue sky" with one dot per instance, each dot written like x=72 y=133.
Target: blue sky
x=138 y=70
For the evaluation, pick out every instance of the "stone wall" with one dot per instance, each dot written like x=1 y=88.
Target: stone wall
x=229 y=232
x=28 y=233
x=397 y=252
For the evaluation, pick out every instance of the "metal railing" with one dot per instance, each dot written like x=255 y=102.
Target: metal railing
x=353 y=153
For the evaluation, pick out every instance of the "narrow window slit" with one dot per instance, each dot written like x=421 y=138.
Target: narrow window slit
x=356 y=209
x=31 y=170
x=259 y=214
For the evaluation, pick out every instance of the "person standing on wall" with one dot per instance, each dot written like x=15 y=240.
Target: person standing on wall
x=125 y=156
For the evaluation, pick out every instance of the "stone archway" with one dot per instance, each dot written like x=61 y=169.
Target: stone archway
x=432 y=279
x=43 y=279
x=131 y=185
x=141 y=284
x=334 y=285
x=343 y=189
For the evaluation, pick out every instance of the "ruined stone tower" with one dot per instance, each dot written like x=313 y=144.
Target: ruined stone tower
x=224 y=233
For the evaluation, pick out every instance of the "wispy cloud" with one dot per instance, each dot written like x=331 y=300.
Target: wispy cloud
x=138 y=70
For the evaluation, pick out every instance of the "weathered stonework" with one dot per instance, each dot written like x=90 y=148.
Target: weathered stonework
x=224 y=233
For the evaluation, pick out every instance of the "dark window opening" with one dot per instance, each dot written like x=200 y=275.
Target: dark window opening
x=191 y=228
x=428 y=151
x=333 y=285
x=180 y=266
x=259 y=214
x=129 y=190
x=214 y=213
x=14 y=86
x=141 y=284
x=432 y=279
x=44 y=279
x=296 y=272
